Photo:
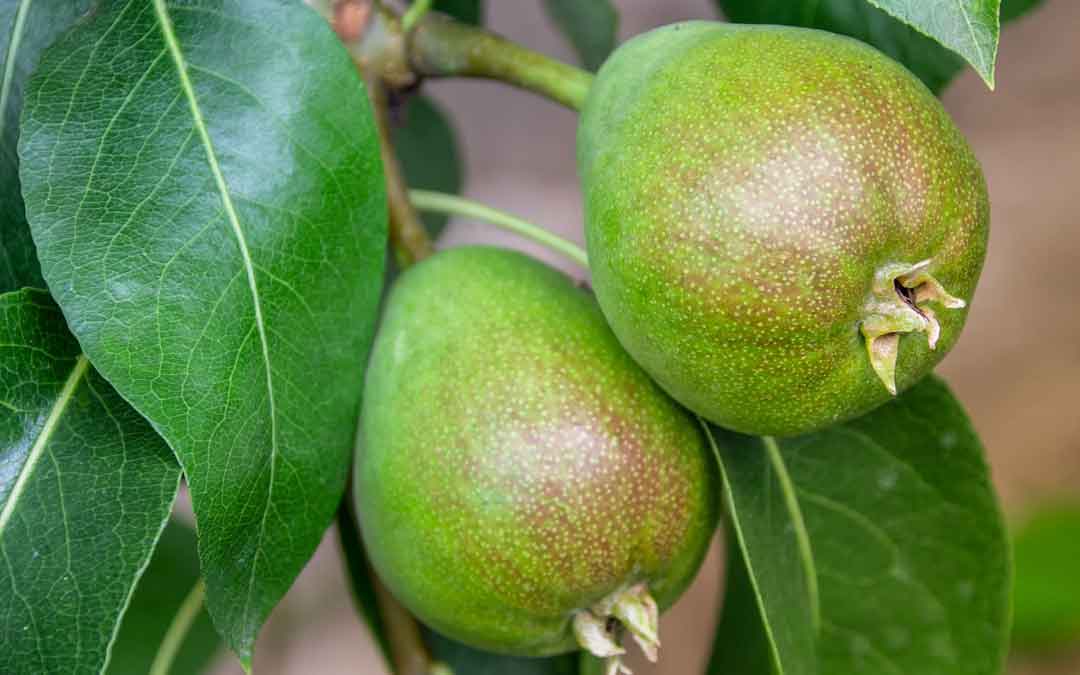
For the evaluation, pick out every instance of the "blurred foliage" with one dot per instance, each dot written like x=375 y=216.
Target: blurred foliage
x=1046 y=601
x=590 y=26
x=427 y=148
x=469 y=11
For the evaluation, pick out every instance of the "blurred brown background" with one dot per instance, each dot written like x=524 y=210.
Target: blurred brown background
x=1017 y=367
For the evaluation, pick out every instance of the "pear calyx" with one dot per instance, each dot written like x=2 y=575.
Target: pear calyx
x=897 y=304
x=599 y=628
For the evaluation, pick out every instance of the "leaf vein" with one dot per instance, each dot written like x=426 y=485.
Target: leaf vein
x=37 y=450
x=169 y=35
x=802 y=537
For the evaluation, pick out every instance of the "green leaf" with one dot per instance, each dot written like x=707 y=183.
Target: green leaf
x=1046 y=599
x=742 y=646
x=26 y=28
x=929 y=61
x=590 y=25
x=464 y=660
x=164 y=587
x=968 y=27
x=428 y=151
x=904 y=534
x=1014 y=9
x=203 y=184
x=935 y=65
x=767 y=522
x=469 y=11
x=85 y=488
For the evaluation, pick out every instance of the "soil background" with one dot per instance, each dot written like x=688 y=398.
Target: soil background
x=1017 y=368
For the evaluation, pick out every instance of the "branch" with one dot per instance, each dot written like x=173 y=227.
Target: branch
x=407 y=647
x=440 y=47
x=390 y=49
x=408 y=238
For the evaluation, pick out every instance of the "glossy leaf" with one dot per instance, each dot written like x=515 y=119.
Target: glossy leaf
x=469 y=11
x=427 y=147
x=85 y=488
x=164 y=586
x=934 y=64
x=590 y=25
x=1046 y=600
x=204 y=189
x=26 y=28
x=903 y=532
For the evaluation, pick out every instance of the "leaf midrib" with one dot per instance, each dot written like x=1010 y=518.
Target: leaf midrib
x=983 y=65
x=37 y=450
x=974 y=38
x=172 y=44
x=802 y=535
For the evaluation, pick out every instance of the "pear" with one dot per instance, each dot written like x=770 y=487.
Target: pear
x=785 y=228
x=522 y=485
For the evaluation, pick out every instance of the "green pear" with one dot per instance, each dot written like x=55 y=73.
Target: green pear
x=522 y=485
x=785 y=228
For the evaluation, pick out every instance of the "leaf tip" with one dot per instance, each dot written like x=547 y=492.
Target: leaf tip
x=988 y=75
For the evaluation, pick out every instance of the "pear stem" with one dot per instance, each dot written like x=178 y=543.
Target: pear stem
x=440 y=47
x=426 y=200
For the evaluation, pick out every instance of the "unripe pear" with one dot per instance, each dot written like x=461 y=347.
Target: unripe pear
x=785 y=228
x=522 y=485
